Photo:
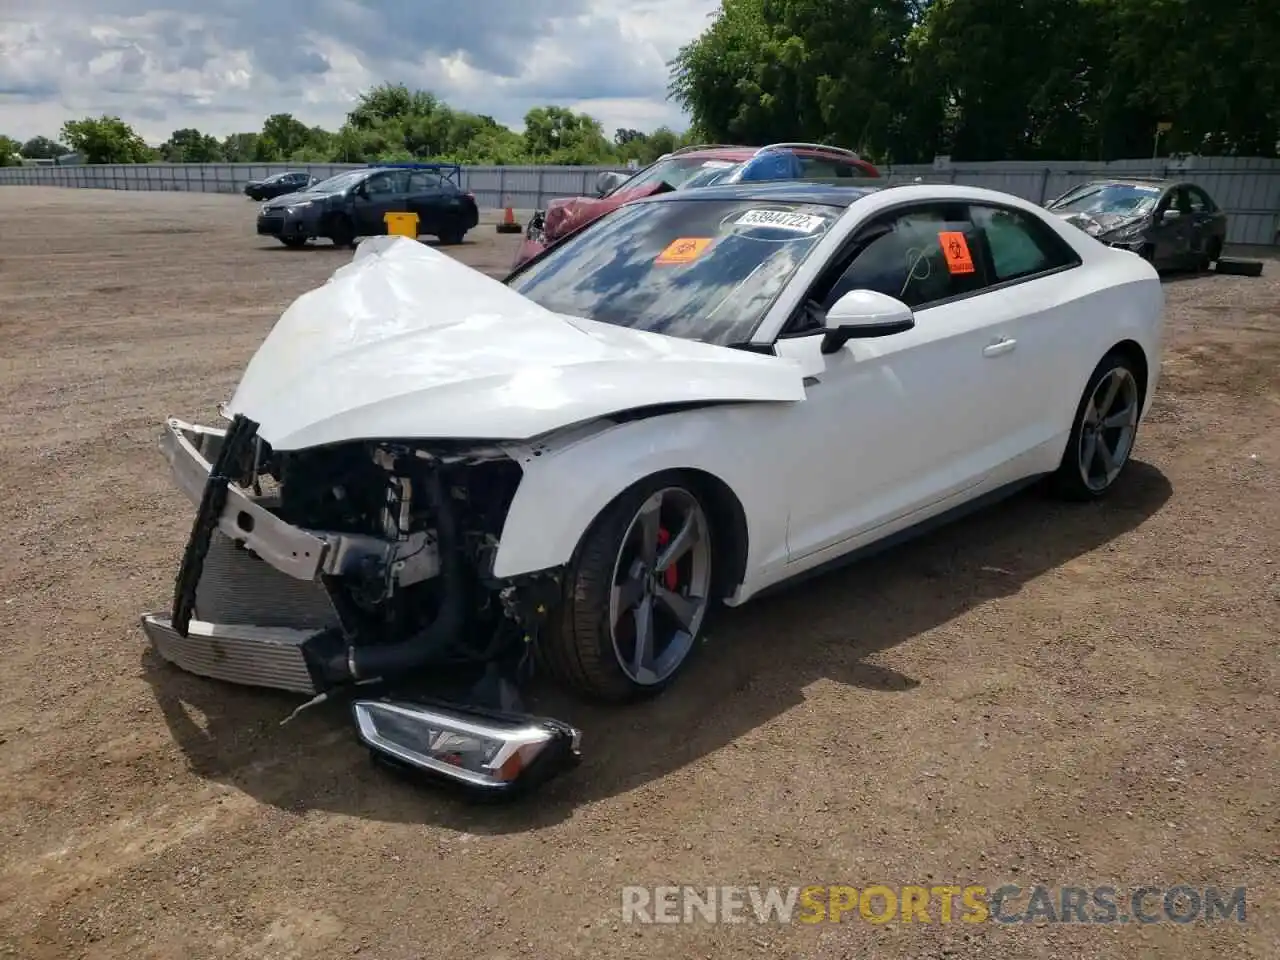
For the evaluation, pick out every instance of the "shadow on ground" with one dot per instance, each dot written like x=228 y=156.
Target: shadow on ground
x=755 y=666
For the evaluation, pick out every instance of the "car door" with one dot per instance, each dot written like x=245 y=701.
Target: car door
x=1037 y=322
x=427 y=200
x=381 y=193
x=906 y=424
x=1171 y=229
x=1202 y=215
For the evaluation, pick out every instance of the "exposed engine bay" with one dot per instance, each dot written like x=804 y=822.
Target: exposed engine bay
x=407 y=541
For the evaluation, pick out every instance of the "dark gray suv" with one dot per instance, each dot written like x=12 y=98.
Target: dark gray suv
x=278 y=185
x=355 y=204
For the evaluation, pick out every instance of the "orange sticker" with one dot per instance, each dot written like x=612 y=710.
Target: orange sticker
x=684 y=250
x=955 y=249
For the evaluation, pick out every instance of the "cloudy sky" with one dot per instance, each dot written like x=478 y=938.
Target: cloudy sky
x=224 y=65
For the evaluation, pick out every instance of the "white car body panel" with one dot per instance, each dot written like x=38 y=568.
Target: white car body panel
x=844 y=450
x=406 y=342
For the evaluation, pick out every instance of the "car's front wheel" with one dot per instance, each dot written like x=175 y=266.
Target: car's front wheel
x=1104 y=431
x=636 y=594
x=341 y=231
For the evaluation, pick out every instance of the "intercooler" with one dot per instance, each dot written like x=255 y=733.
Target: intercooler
x=250 y=622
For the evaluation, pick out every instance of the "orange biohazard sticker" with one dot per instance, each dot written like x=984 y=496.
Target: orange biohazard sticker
x=955 y=250
x=684 y=250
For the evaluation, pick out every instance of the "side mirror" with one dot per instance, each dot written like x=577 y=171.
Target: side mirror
x=862 y=314
x=1170 y=214
x=608 y=181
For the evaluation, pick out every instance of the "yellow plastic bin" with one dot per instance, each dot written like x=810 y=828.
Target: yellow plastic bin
x=402 y=224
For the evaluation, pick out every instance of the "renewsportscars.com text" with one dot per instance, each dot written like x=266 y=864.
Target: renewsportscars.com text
x=937 y=903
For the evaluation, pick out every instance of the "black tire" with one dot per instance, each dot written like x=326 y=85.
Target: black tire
x=1068 y=481
x=452 y=237
x=1148 y=253
x=1236 y=267
x=341 y=231
x=578 y=648
x=293 y=243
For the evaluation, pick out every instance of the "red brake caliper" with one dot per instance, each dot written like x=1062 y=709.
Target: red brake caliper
x=671 y=579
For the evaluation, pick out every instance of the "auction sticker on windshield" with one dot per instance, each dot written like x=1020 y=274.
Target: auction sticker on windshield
x=683 y=250
x=782 y=220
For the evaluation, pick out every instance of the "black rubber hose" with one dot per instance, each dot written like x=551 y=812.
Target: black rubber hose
x=390 y=660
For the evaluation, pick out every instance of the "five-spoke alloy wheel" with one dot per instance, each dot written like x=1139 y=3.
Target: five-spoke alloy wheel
x=1104 y=431
x=636 y=595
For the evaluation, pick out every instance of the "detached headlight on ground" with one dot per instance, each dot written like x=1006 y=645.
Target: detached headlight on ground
x=472 y=748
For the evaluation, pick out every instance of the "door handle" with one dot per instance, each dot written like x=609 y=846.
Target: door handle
x=1002 y=346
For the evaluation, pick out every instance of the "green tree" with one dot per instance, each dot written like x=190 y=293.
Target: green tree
x=9 y=148
x=717 y=77
x=559 y=135
x=191 y=146
x=282 y=136
x=239 y=147
x=42 y=148
x=106 y=139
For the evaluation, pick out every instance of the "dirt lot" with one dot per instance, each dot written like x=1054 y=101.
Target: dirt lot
x=1071 y=696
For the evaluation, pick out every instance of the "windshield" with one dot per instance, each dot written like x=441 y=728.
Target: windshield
x=680 y=172
x=337 y=183
x=1128 y=199
x=697 y=269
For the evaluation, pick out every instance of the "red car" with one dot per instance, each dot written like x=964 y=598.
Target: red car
x=689 y=168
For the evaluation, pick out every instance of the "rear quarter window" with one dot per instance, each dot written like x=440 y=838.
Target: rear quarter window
x=1020 y=245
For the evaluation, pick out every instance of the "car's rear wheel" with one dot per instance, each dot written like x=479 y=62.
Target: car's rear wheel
x=1212 y=251
x=293 y=242
x=636 y=594
x=452 y=236
x=1104 y=431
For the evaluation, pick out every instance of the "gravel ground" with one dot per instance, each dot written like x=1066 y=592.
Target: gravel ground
x=1041 y=693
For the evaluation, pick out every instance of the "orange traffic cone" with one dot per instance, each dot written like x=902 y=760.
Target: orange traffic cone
x=509 y=224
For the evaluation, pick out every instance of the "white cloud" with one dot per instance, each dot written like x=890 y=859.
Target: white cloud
x=224 y=65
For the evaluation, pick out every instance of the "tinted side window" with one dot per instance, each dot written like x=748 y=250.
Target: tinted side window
x=1020 y=245
x=1200 y=202
x=382 y=183
x=926 y=256
x=422 y=182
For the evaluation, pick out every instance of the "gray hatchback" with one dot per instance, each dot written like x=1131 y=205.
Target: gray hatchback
x=1173 y=224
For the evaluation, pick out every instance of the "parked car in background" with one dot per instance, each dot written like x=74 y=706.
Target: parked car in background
x=355 y=204
x=688 y=168
x=278 y=185
x=1170 y=223
x=430 y=474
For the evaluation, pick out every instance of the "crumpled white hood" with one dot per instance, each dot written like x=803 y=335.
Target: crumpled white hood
x=406 y=342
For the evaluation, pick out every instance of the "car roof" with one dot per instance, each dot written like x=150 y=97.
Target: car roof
x=1136 y=181
x=786 y=191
